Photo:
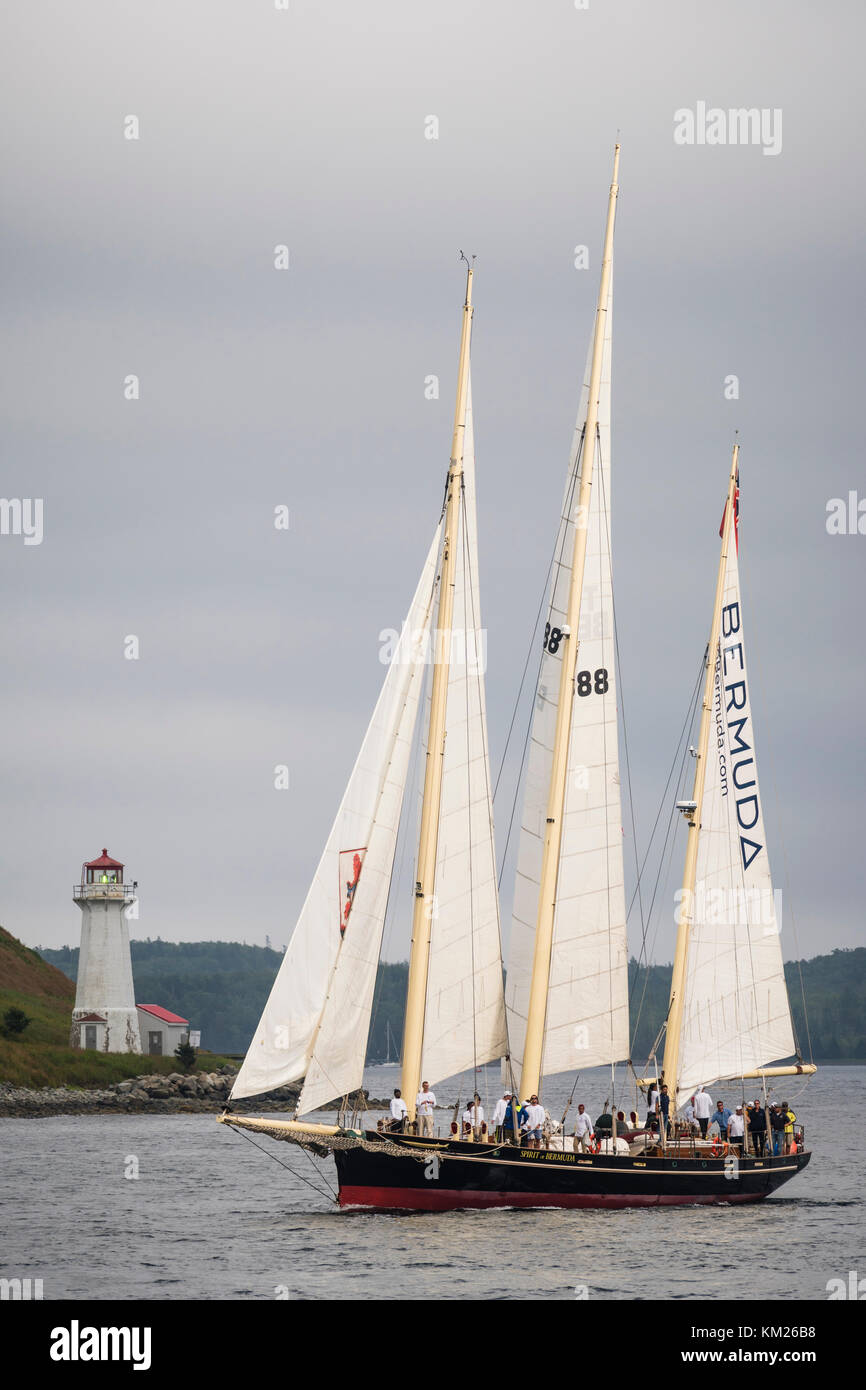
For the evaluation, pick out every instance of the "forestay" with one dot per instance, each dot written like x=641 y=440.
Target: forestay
x=587 y=1001
x=736 y=1014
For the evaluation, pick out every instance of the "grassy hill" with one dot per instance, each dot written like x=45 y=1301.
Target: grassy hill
x=41 y=1056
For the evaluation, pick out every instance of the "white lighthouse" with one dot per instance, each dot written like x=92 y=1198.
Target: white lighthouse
x=105 y=1016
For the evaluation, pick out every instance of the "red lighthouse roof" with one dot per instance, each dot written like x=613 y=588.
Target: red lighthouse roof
x=164 y=1014
x=104 y=862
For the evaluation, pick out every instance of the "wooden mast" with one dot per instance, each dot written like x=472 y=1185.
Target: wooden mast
x=416 y=991
x=670 y=1068
x=530 y=1082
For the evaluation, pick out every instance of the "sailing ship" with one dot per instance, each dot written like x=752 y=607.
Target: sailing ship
x=567 y=981
x=388 y=1060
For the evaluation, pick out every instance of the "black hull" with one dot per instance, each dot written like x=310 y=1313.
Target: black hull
x=452 y=1175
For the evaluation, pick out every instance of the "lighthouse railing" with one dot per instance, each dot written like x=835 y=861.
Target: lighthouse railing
x=103 y=890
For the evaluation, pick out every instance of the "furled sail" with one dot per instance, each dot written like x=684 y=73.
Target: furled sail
x=316 y=1020
x=464 y=1023
x=736 y=1014
x=587 y=999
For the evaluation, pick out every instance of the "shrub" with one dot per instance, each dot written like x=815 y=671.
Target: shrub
x=14 y=1023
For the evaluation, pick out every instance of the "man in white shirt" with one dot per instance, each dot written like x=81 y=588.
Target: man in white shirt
x=736 y=1127
x=582 y=1130
x=399 y=1111
x=703 y=1110
x=424 y=1103
x=534 y=1123
x=499 y=1114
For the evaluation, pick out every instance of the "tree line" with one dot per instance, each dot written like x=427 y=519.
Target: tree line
x=221 y=987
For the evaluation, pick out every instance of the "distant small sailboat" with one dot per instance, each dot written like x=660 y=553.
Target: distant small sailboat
x=388 y=1060
x=567 y=1004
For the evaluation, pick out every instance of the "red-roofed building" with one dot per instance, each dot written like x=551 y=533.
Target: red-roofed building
x=165 y=1014
x=161 y=1030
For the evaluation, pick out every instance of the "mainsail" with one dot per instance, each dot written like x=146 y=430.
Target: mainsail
x=464 y=1022
x=736 y=1015
x=587 y=998
x=316 y=1020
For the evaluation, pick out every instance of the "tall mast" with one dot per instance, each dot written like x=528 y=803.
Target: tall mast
x=687 y=899
x=416 y=993
x=530 y=1083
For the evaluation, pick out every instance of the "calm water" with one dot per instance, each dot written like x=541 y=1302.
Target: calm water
x=211 y=1217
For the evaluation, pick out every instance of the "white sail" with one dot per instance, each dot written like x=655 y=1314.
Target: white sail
x=736 y=1014
x=316 y=1020
x=464 y=1022
x=587 y=1001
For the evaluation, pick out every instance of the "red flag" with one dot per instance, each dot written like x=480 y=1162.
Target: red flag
x=736 y=514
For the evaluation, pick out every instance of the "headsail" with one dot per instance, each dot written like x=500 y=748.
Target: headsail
x=316 y=1020
x=587 y=997
x=736 y=1014
x=464 y=1023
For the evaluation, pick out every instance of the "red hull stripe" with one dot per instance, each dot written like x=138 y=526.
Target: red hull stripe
x=416 y=1199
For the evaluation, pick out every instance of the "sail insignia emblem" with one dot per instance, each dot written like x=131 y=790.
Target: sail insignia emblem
x=351 y=863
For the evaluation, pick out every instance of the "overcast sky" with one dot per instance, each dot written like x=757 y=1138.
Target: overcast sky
x=305 y=387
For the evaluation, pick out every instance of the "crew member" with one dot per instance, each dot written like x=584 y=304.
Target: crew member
x=534 y=1123
x=424 y=1104
x=499 y=1115
x=583 y=1130
x=703 y=1110
x=399 y=1111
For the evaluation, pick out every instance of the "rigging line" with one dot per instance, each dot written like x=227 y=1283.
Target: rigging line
x=395 y=892
x=687 y=722
x=620 y=691
x=672 y=838
x=295 y=1174
x=417 y=740
x=549 y=593
x=683 y=741
x=546 y=593
x=568 y=1106
x=687 y=730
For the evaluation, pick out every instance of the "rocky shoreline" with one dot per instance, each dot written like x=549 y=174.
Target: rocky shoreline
x=177 y=1093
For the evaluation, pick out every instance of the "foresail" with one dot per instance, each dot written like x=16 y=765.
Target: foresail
x=317 y=1017
x=736 y=1014
x=464 y=1022
x=587 y=1003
